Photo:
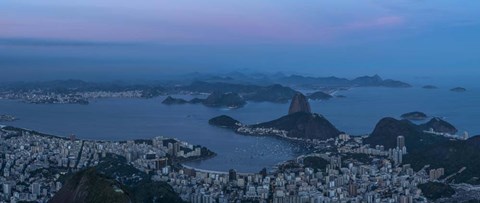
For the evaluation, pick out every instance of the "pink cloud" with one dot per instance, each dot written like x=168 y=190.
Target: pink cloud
x=385 y=21
x=195 y=27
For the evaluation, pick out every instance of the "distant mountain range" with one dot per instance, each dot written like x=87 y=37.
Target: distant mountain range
x=295 y=80
x=277 y=88
x=318 y=82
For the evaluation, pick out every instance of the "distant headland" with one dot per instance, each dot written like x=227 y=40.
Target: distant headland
x=458 y=89
x=255 y=87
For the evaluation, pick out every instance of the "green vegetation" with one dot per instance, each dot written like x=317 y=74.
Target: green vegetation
x=315 y=162
x=224 y=122
x=230 y=99
x=303 y=125
x=364 y=158
x=90 y=186
x=434 y=150
x=435 y=190
x=170 y=100
x=102 y=183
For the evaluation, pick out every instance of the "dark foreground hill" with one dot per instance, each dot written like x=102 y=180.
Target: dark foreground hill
x=113 y=180
x=90 y=186
x=429 y=149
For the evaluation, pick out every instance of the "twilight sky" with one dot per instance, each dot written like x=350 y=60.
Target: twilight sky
x=324 y=37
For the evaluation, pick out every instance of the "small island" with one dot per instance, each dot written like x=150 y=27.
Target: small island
x=216 y=99
x=229 y=99
x=7 y=118
x=319 y=96
x=170 y=100
x=458 y=89
x=414 y=116
x=430 y=87
x=224 y=121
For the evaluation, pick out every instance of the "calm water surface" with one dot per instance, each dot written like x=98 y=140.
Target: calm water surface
x=122 y=119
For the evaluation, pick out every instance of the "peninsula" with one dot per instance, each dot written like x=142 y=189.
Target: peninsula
x=299 y=124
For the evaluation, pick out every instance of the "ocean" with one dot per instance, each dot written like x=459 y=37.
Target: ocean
x=356 y=114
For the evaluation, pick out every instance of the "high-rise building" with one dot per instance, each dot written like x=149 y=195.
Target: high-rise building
x=439 y=172
x=335 y=162
x=7 y=189
x=161 y=163
x=432 y=175
x=397 y=156
x=232 y=175
x=400 y=142
x=36 y=188
x=435 y=174
x=352 y=189
x=58 y=186
x=175 y=149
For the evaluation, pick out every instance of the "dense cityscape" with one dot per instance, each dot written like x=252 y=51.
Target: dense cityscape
x=332 y=101
x=33 y=165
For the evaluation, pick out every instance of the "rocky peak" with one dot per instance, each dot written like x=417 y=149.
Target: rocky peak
x=439 y=125
x=299 y=104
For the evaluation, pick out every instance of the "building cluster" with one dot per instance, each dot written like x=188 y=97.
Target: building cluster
x=465 y=135
x=435 y=174
x=347 y=145
x=48 y=97
x=7 y=118
x=32 y=165
x=262 y=131
x=382 y=180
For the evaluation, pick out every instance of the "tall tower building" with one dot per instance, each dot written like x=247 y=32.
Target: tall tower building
x=352 y=189
x=232 y=175
x=400 y=142
x=7 y=189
